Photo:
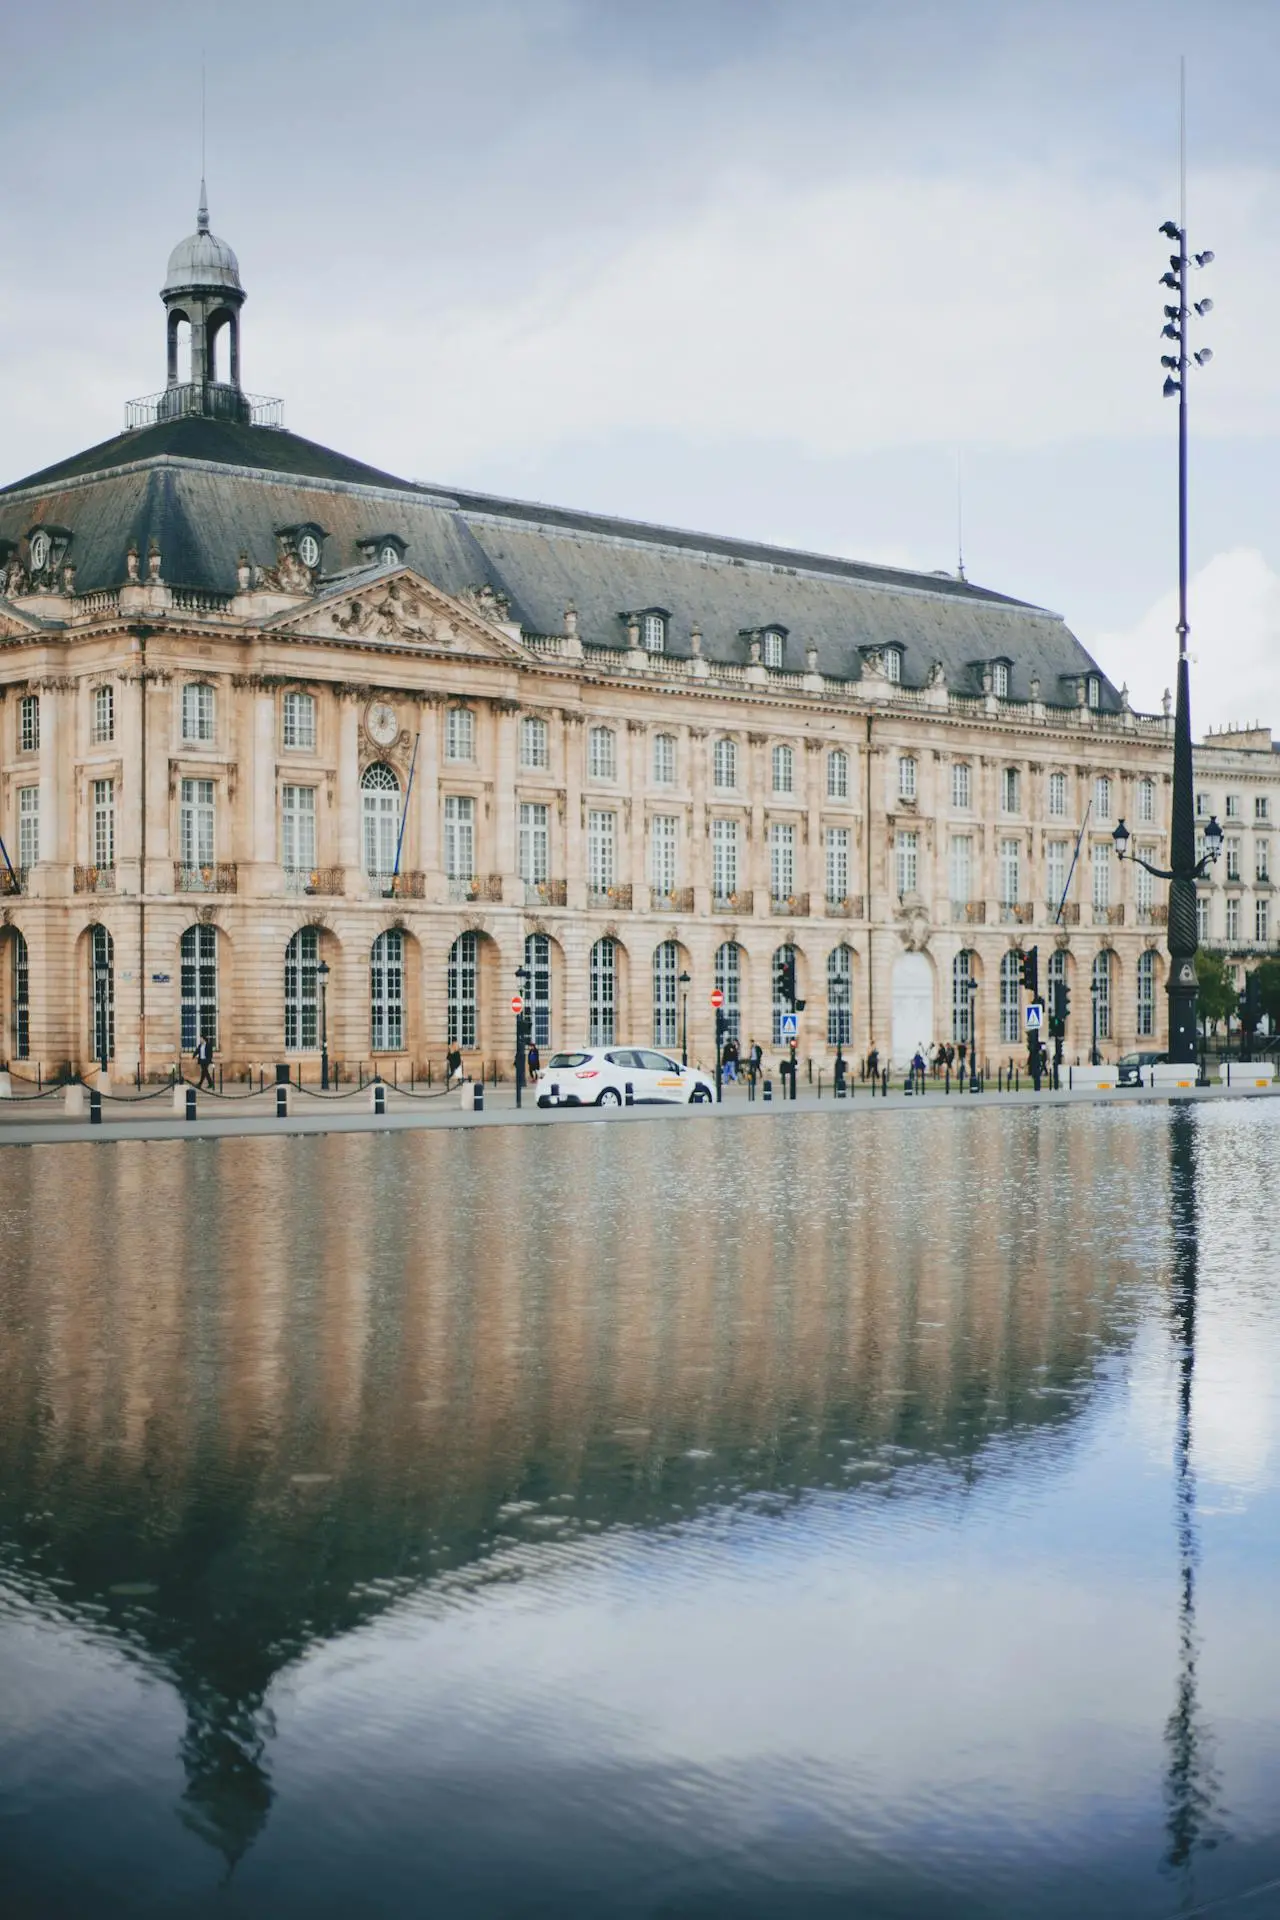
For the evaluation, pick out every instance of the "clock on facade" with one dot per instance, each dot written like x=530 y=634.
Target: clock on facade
x=39 y=552
x=382 y=723
x=309 y=550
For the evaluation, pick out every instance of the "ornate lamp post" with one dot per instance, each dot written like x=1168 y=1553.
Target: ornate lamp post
x=101 y=973
x=524 y=979
x=1184 y=869
x=684 y=1018
x=971 y=988
x=322 y=981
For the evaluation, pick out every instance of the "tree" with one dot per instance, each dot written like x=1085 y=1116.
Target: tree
x=1269 y=987
x=1217 y=989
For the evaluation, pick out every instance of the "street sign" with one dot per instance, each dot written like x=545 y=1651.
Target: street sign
x=717 y=998
x=517 y=1003
x=1035 y=1017
x=790 y=1026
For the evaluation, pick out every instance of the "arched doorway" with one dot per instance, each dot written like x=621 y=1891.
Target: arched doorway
x=537 y=960
x=15 y=988
x=102 y=994
x=912 y=1006
x=198 y=985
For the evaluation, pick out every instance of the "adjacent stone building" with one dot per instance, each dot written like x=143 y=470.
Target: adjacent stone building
x=265 y=710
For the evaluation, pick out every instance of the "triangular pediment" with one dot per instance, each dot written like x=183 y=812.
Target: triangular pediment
x=16 y=625
x=399 y=607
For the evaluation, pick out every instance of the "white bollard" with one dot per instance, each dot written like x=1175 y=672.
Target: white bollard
x=180 y=1100
x=6 y=1087
x=74 y=1102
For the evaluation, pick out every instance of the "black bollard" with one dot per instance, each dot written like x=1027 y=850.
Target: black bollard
x=95 y=1107
x=479 y=1096
x=282 y=1100
x=768 y=1090
x=629 y=1094
x=379 y=1097
x=191 y=1103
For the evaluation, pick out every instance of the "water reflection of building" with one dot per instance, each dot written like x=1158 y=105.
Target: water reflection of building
x=282 y=1383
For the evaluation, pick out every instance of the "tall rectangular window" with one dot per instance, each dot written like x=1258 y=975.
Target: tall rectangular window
x=1233 y=859
x=1102 y=797
x=29 y=723
x=463 y=1008
x=729 y=982
x=664 y=831
x=724 y=762
x=104 y=823
x=907 y=772
x=1146 y=802
x=1143 y=889
x=837 y=865
x=1010 y=873
x=906 y=853
x=1233 y=916
x=1058 y=796
x=1262 y=921
x=298 y=829
x=535 y=842
x=195 y=823
x=298 y=720
x=535 y=743
x=1010 y=790
x=1262 y=862
x=664 y=760
x=782 y=860
x=784 y=770
x=386 y=992
x=962 y=786
x=837 y=774
x=724 y=858
x=601 y=833
x=1101 y=875
x=602 y=754
x=961 y=869
x=1146 y=995
x=1057 y=856
x=1261 y=807
x=102 y=726
x=459 y=836
x=460 y=734
x=1203 y=901
x=28 y=826
x=602 y=978
x=655 y=632
x=197 y=712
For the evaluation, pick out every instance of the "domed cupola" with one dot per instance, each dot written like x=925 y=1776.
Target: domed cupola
x=202 y=292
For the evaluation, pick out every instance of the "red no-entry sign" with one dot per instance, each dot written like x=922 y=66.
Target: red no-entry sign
x=517 y=1003
x=717 y=998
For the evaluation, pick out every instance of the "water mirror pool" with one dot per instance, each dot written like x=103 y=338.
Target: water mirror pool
x=824 y=1517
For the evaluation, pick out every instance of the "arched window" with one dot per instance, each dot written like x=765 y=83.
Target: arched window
x=839 y=997
x=102 y=995
x=463 y=998
x=962 y=973
x=784 y=770
x=602 y=754
x=534 y=743
x=666 y=994
x=380 y=805
x=198 y=978
x=837 y=774
x=1102 y=992
x=537 y=988
x=729 y=981
x=664 y=759
x=1010 y=998
x=301 y=992
x=460 y=734
x=197 y=711
x=1146 y=995
x=783 y=960
x=386 y=992
x=725 y=764
x=603 y=987
x=20 y=1001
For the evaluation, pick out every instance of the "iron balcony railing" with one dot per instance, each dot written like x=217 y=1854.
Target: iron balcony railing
x=617 y=898
x=546 y=893
x=94 y=880
x=219 y=877
x=740 y=902
x=792 y=906
x=210 y=399
x=313 y=879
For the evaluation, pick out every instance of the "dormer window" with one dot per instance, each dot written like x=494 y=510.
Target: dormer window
x=893 y=665
x=382 y=550
x=653 y=632
x=309 y=550
x=774 y=639
x=389 y=555
x=1000 y=679
x=1093 y=691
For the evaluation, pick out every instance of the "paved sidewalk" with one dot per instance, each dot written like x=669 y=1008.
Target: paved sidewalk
x=26 y=1120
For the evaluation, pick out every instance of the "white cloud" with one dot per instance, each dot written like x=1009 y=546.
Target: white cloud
x=1234 y=611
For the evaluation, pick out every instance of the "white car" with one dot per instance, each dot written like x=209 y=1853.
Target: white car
x=599 y=1076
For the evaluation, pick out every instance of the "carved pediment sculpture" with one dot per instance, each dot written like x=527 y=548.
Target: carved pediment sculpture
x=912 y=915
x=406 y=607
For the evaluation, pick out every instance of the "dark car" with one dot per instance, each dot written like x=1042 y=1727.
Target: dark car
x=1132 y=1065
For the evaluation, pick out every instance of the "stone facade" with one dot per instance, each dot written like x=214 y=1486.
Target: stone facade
x=266 y=711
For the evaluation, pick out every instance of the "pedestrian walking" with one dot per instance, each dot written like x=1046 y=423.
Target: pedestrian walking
x=203 y=1055
x=533 y=1061
x=873 y=1063
x=918 y=1068
x=729 y=1059
x=452 y=1066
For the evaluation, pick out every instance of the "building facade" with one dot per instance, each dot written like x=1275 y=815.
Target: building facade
x=265 y=710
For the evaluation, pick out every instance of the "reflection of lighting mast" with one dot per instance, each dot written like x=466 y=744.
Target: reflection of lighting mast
x=1190 y=1780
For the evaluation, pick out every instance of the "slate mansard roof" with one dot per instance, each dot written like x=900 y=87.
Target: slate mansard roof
x=207 y=490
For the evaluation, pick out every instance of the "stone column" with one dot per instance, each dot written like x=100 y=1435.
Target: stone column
x=573 y=816
x=349 y=824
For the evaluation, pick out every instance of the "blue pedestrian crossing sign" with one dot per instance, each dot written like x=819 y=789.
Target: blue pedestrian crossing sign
x=790 y=1026
x=1035 y=1017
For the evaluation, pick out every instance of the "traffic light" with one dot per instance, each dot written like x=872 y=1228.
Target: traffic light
x=1031 y=971
x=787 y=978
x=1059 y=1007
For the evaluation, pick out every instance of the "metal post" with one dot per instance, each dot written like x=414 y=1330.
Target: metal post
x=1094 y=1059
x=684 y=1019
x=523 y=980
x=322 y=980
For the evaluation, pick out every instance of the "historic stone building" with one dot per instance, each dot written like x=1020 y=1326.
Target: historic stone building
x=263 y=707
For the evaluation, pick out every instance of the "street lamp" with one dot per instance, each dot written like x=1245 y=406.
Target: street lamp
x=322 y=981
x=1184 y=869
x=101 y=974
x=971 y=988
x=1095 y=988
x=523 y=977
x=684 y=1018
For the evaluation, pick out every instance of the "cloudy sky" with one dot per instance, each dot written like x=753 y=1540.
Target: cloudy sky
x=767 y=267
